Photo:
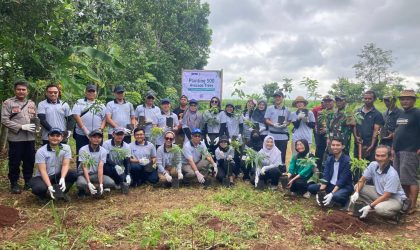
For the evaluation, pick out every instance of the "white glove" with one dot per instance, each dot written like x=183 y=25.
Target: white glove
x=277 y=125
x=200 y=177
x=127 y=131
x=68 y=134
x=283 y=125
x=168 y=177
x=85 y=130
x=354 y=197
x=365 y=210
x=263 y=169
x=92 y=188
x=244 y=157
x=101 y=188
x=128 y=179
x=221 y=155
x=119 y=169
x=180 y=175
x=317 y=200
x=208 y=138
x=250 y=129
x=144 y=161
x=216 y=140
x=327 y=199
x=29 y=127
x=262 y=129
x=215 y=168
x=257 y=179
x=239 y=137
x=301 y=115
x=51 y=191
x=62 y=183
x=230 y=157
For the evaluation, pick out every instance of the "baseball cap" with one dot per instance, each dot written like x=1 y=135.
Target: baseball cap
x=55 y=131
x=96 y=132
x=119 y=88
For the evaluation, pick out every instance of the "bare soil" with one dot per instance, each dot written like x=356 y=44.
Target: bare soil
x=339 y=223
x=8 y=216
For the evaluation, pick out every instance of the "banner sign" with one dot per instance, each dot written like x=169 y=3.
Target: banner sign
x=202 y=85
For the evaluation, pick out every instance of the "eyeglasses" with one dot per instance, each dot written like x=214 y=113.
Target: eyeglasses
x=169 y=138
x=214 y=101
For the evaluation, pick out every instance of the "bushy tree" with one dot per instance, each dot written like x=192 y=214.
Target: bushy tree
x=352 y=90
x=269 y=89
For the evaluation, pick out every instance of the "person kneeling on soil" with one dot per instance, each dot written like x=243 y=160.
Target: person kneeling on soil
x=91 y=168
x=117 y=160
x=386 y=197
x=169 y=159
x=224 y=155
x=269 y=171
x=196 y=160
x=337 y=175
x=143 y=160
x=53 y=161
x=300 y=170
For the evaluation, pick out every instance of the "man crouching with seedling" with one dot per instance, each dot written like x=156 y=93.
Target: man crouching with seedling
x=143 y=160
x=169 y=160
x=117 y=160
x=386 y=197
x=196 y=160
x=53 y=177
x=336 y=185
x=91 y=168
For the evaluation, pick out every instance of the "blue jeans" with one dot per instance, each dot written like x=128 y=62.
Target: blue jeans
x=341 y=196
x=140 y=176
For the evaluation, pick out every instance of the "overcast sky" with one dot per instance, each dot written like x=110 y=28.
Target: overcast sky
x=267 y=40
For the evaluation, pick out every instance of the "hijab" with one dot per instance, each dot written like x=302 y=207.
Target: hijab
x=305 y=152
x=255 y=143
x=274 y=154
x=192 y=119
x=233 y=111
x=258 y=115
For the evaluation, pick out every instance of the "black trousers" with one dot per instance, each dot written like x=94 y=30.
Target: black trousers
x=299 y=186
x=39 y=188
x=282 y=146
x=321 y=145
x=272 y=175
x=21 y=151
x=109 y=169
x=226 y=171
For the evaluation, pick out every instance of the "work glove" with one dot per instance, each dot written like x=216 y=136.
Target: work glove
x=301 y=115
x=101 y=189
x=364 y=210
x=208 y=138
x=180 y=175
x=221 y=155
x=85 y=130
x=263 y=169
x=62 y=183
x=317 y=200
x=92 y=188
x=239 y=137
x=51 y=191
x=327 y=199
x=283 y=125
x=244 y=157
x=262 y=129
x=250 y=129
x=127 y=131
x=216 y=140
x=119 y=169
x=68 y=134
x=229 y=157
x=277 y=125
x=29 y=127
x=257 y=179
x=354 y=197
x=168 y=177
x=144 y=161
x=200 y=177
x=215 y=168
x=128 y=179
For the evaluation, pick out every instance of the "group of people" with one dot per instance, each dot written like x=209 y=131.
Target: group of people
x=186 y=144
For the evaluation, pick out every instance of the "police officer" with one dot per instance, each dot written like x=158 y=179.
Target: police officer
x=89 y=115
x=119 y=114
x=54 y=113
x=53 y=163
x=16 y=115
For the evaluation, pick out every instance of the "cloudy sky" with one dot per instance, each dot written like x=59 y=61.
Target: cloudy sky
x=268 y=40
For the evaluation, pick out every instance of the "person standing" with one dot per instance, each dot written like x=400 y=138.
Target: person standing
x=167 y=120
x=179 y=111
x=120 y=114
x=303 y=121
x=390 y=118
x=247 y=115
x=258 y=118
x=192 y=119
x=89 y=114
x=211 y=120
x=320 y=139
x=368 y=130
x=16 y=115
x=54 y=113
x=278 y=117
x=147 y=113
x=406 y=146
x=322 y=122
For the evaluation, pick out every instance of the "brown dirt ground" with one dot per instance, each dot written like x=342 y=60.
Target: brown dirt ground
x=339 y=223
x=8 y=216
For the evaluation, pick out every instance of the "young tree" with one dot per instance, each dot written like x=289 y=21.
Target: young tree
x=352 y=90
x=311 y=87
x=269 y=89
x=287 y=87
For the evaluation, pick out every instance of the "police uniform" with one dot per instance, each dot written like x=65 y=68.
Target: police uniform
x=14 y=114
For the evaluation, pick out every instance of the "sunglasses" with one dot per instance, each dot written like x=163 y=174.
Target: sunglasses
x=169 y=138
x=91 y=91
x=214 y=101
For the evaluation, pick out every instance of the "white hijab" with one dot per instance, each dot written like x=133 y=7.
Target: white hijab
x=274 y=153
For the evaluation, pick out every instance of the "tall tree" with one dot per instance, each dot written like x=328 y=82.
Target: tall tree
x=352 y=90
x=269 y=89
x=287 y=86
x=311 y=87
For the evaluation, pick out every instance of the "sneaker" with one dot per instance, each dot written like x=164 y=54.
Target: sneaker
x=124 y=188
x=405 y=206
x=15 y=189
x=307 y=195
x=118 y=187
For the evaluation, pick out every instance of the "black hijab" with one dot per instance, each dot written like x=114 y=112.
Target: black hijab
x=258 y=115
x=305 y=152
x=255 y=143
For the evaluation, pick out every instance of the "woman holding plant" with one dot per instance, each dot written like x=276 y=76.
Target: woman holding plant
x=258 y=118
x=168 y=159
x=211 y=119
x=255 y=143
x=224 y=156
x=166 y=121
x=300 y=168
x=268 y=170
x=303 y=122
x=247 y=114
x=192 y=119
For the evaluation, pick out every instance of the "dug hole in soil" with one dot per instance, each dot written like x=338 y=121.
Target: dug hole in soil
x=8 y=216
x=339 y=223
